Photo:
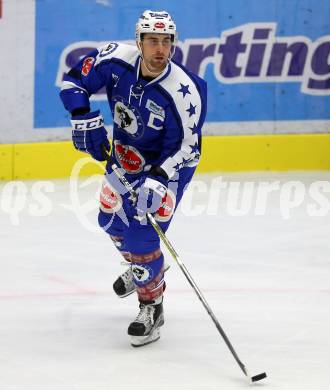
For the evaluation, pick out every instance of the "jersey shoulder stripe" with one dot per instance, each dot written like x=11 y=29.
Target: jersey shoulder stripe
x=117 y=50
x=185 y=95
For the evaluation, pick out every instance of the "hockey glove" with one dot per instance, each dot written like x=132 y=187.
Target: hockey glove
x=89 y=135
x=151 y=192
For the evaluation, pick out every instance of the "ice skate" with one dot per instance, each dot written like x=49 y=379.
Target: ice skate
x=124 y=285
x=145 y=328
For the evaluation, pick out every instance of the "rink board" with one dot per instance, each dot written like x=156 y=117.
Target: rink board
x=6 y=162
x=219 y=153
x=266 y=65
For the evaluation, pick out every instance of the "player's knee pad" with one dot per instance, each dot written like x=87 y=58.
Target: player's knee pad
x=148 y=274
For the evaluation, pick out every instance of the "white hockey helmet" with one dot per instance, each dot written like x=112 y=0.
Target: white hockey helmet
x=158 y=22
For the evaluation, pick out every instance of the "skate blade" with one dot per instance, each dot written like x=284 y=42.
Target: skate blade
x=140 y=341
x=127 y=294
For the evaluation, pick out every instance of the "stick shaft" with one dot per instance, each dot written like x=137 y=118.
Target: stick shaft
x=193 y=284
x=183 y=268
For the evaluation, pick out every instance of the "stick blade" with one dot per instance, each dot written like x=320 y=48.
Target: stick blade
x=258 y=377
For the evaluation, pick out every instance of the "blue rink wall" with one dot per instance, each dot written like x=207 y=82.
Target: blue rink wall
x=267 y=64
x=263 y=60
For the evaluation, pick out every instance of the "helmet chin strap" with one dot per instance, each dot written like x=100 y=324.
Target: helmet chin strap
x=150 y=71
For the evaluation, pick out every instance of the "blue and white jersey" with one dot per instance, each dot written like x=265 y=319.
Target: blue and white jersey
x=157 y=122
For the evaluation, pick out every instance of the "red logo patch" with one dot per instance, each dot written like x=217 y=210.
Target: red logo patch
x=166 y=210
x=129 y=158
x=159 y=25
x=110 y=200
x=87 y=65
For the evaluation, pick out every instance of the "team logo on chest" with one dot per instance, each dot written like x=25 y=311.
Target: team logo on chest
x=127 y=118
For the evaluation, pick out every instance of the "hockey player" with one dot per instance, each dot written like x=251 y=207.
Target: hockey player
x=158 y=110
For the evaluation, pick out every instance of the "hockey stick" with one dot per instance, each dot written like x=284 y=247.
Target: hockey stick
x=183 y=268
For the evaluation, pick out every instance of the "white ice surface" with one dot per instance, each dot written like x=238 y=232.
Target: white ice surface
x=266 y=277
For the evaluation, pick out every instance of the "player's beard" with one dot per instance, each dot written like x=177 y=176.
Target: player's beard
x=156 y=65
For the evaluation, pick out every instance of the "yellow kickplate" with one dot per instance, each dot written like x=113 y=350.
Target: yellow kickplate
x=265 y=153
x=52 y=160
x=6 y=162
x=219 y=153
